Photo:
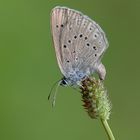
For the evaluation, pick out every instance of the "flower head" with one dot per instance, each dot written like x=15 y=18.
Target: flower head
x=95 y=98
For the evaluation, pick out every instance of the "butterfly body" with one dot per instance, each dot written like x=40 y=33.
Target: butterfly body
x=73 y=78
x=79 y=45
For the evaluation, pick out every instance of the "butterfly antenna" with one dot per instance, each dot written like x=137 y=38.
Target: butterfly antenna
x=54 y=96
x=52 y=90
x=55 y=93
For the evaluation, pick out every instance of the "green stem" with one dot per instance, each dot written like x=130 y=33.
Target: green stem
x=107 y=129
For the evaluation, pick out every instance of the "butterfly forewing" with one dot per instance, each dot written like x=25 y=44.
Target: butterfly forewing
x=79 y=42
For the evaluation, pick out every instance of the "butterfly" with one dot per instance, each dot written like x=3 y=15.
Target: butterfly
x=79 y=44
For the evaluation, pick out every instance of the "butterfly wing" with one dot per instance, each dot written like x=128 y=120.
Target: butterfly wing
x=59 y=21
x=79 y=42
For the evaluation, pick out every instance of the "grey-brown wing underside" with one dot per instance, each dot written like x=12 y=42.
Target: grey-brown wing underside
x=79 y=42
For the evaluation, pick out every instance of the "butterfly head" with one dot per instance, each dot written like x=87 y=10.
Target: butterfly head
x=73 y=78
x=64 y=82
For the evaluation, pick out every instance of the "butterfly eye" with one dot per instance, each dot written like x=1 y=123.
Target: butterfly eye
x=95 y=54
x=57 y=26
x=69 y=41
x=88 y=44
x=62 y=25
x=68 y=61
x=63 y=82
x=75 y=36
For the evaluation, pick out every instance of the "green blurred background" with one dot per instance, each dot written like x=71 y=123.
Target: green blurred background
x=28 y=69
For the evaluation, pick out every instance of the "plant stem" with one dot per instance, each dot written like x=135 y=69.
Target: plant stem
x=107 y=129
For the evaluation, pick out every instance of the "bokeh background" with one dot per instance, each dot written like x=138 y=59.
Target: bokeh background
x=28 y=69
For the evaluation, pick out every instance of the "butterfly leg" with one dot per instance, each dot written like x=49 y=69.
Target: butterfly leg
x=79 y=84
x=101 y=71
